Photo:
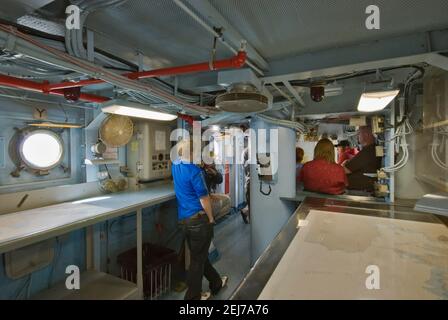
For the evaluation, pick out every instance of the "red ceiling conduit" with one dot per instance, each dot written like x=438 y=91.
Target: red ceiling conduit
x=69 y=88
x=186 y=118
x=61 y=89
x=236 y=62
x=41 y=87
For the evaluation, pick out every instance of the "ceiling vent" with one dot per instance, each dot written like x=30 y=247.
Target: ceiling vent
x=242 y=98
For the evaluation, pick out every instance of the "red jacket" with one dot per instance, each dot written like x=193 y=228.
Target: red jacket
x=323 y=177
x=345 y=155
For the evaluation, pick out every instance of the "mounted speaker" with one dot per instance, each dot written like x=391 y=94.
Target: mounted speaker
x=242 y=98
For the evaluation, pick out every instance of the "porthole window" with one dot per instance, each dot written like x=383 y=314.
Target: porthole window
x=41 y=150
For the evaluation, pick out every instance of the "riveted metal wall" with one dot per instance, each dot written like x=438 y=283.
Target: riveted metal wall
x=15 y=114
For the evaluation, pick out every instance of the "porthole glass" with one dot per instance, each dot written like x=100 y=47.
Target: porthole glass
x=41 y=150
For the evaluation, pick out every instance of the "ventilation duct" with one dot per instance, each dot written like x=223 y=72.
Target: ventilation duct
x=242 y=98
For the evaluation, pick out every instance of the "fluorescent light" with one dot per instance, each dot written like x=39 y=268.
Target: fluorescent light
x=139 y=113
x=49 y=124
x=130 y=109
x=376 y=101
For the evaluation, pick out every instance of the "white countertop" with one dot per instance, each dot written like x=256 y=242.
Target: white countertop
x=329 y=255
x=29 y=226
x=94 y=286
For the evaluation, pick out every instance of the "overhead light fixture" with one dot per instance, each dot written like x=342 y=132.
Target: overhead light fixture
x=378 y=94
x=376 y=101
x=131 y=109
x=51 y=124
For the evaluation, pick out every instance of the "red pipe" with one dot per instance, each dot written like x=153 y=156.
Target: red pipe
x=186 y=118
x=83 y=96
x=18 y=83
x=237 y=61
x=70 y=84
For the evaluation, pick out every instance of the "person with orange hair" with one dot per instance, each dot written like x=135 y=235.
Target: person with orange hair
x=323 y=174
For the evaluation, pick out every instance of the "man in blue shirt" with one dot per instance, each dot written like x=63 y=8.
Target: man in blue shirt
x=196 y=216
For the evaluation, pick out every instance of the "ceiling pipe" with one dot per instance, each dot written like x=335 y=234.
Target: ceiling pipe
x=236 y=62
x=41 y=87
x=16 y=41
x=59 y=89
x=193 y=15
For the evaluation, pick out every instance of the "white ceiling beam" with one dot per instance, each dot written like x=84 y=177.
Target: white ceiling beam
x=294 y=92
x=437 y=60
x=392 y=52
x=224 y=118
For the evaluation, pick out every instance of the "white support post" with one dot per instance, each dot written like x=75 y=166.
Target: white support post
x=93 y=247
x=391 y=155
x=141 y=65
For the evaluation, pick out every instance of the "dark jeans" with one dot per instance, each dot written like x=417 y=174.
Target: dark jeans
x=199 y=234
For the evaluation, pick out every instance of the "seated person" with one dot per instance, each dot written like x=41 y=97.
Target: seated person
x=299 y=161
x=322 y=174
x=345 y=152
x=365 y=161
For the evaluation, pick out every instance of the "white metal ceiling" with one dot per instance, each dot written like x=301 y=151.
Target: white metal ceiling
x=275 y=28
x=158 y=28
x=13 y=9
x=278 y=28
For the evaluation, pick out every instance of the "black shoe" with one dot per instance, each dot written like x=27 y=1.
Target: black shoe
x=225 y=280
x=246 y=221
x=206 y=295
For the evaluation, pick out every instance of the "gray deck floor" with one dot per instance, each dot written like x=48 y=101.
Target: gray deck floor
x=232 y=239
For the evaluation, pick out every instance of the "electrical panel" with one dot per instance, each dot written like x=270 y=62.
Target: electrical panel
x=378 y=124
x=148 y=153
x=359 y=121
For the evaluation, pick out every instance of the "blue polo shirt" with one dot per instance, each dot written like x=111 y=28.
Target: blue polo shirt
x=189 y=186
